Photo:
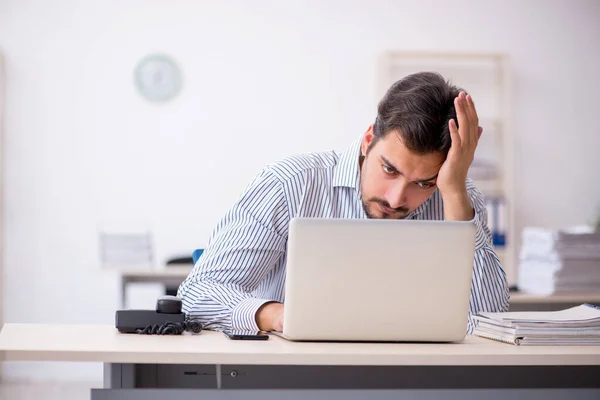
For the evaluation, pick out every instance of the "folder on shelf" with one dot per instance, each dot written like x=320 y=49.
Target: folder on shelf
x=497 y=219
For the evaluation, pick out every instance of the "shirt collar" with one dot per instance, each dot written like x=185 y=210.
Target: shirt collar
x=345 y=172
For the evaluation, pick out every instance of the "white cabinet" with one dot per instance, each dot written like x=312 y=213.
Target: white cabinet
x=486 y=77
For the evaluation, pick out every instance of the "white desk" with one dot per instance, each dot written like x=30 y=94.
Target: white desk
x=172 y=276
x=556 y=301
x=582 y=297
x=210 y=363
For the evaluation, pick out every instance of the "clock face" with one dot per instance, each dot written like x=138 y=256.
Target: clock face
x=157 y=78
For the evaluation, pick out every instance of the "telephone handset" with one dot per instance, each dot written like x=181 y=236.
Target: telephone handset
x=167 y=319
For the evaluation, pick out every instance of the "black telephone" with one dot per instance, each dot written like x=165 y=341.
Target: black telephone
x=167 y=319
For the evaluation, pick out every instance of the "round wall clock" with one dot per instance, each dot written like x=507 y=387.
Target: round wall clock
x=157 y=78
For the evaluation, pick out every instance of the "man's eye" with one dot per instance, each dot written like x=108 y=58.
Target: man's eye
x=388 y=170
x=426 y=185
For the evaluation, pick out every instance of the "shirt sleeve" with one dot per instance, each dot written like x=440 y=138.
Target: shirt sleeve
x=243 y=248
x=489 y=287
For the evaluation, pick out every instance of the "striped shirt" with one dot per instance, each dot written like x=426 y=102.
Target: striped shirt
x=243 y=266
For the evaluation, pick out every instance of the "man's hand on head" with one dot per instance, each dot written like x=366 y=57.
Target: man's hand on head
x=453 y=174
x=269 y=317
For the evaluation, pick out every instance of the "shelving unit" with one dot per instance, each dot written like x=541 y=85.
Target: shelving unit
x=486 y=77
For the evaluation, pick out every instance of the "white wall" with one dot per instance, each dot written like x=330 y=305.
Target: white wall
x=1 y=193
x=261 y=81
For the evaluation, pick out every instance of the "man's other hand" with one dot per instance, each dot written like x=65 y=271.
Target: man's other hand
x=270 y=317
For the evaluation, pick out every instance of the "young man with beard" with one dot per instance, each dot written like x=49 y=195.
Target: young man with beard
x=412 y=163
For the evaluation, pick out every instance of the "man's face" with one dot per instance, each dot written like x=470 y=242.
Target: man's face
x=393 y=180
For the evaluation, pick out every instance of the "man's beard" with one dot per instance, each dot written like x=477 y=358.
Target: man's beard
x=403 y=211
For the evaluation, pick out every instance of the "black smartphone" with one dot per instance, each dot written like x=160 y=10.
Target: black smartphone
x=246 y=335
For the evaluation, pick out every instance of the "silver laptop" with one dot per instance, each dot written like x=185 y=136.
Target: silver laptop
x=378 y=280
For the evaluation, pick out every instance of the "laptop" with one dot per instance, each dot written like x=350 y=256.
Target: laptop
x=378 y=280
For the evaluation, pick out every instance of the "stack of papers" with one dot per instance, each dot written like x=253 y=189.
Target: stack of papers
x=576 y=326
x=559 y=261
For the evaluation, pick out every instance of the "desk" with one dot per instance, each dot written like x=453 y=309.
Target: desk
x=170 y=276
x=557 y=301
x=152 y=367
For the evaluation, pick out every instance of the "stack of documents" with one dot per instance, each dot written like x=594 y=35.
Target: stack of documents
x=559 y=261
x=576 y=326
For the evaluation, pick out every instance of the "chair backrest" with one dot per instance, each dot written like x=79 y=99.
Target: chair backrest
x=196 y=254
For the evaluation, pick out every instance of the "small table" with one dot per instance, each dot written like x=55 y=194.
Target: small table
x=530 y=302
x=170 y=276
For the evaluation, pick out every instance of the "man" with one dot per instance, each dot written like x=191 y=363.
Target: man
x=412 y=163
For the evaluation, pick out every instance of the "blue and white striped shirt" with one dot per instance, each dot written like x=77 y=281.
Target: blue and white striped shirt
x=243 y=266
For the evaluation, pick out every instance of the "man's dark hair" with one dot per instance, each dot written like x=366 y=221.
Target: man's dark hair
x=418 y=108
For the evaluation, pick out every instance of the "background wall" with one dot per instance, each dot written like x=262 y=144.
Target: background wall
x=1 y=193
x=261 y=81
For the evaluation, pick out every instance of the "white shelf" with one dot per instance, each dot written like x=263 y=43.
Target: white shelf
x=490 y=187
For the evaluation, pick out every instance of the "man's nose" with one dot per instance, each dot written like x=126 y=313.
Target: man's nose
x=396 y=194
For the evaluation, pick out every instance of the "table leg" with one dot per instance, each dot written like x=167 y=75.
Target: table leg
x=119 y=376
x=124 y=284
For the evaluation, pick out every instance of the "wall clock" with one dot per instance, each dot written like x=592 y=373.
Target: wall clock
x=157 y=78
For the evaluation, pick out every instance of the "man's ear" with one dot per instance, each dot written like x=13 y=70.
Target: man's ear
x=367 y=139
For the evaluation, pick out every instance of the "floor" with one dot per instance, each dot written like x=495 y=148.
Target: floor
x=47 y=391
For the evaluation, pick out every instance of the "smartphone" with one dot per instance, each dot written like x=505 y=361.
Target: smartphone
x=246 y=335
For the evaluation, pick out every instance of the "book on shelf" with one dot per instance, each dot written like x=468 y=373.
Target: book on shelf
x=576 y=326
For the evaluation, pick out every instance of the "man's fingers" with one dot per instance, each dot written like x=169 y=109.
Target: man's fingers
x=461 y=116
x=470 y=132
x=280 y=322
x=473 y=118
x=454 y=135
x=472 y=108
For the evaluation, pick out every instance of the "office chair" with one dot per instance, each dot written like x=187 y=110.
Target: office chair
x=196 y=255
